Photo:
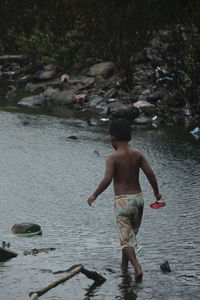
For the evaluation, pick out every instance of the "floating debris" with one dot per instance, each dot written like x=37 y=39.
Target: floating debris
x=165 y=267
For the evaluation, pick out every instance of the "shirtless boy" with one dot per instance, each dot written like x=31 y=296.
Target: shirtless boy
x=123 y=168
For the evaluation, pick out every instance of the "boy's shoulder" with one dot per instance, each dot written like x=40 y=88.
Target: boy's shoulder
x=132 y=151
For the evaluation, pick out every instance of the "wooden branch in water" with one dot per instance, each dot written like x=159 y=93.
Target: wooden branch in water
x=71 y=272
x=34 y=297
x=90 y=274
x=56 y=282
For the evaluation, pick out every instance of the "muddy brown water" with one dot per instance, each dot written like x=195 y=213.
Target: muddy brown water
x=46 y=179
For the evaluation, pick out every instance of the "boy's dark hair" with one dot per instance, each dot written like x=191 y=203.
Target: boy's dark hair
x=120 y=129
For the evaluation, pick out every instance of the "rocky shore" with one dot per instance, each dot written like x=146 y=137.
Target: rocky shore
x=152 y=99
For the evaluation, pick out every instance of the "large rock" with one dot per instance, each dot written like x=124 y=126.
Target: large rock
x=104 y=69
x=95 y=100
x=120 y=110
x=6 y=254
x=36 y=100
x=44 y=75
x=23 y=228
x=47 y=74
x=81 y=82
x=64 y=97
x=50 y=92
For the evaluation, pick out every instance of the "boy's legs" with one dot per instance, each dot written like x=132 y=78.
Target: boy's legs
x=125 y=260
x=128 y=254
x=128 y=215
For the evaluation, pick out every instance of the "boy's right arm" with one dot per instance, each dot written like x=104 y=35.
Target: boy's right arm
x=105 y=182
x=150 y=176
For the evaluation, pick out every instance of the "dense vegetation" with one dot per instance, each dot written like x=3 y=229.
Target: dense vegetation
x=67 y=32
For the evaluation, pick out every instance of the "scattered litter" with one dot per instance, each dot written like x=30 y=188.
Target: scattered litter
x=111 y=100
x=64 y=78
x=156 y=121
x=72 y=137
x=196 y=132
x=96 y=152
x=165 y=267
x=188 y=112
x=80 y=99
x=163 y=75
x=141 y=103
x=104 y=119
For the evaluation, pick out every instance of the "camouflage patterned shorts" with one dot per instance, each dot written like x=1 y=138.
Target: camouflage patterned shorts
x=128 y=210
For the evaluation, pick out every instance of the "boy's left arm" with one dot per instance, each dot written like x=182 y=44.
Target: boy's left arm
x=105 y=182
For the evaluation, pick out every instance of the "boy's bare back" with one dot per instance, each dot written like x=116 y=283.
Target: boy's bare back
x=126 y=171
x=123 y=166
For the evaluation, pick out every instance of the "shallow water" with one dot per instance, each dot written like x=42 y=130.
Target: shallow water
x=47 y=178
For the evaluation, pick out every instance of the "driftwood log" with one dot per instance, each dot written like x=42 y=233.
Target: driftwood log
x=98 y=279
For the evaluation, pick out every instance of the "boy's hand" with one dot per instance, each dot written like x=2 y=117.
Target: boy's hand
x=91 y=200
x=158 y=196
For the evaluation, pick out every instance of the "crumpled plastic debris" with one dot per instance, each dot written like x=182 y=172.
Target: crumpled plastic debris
x=163 y=75
x=80 y=99
x=156 y=121
x=141 y=103
x=196 y=132
x=111 y=100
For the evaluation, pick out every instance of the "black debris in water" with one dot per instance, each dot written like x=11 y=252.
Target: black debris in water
x=165 y=267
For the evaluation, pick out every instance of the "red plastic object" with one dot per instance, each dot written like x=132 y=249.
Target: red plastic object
x=157 y=204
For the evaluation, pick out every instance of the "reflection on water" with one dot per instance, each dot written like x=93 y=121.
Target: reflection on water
x=46 y=178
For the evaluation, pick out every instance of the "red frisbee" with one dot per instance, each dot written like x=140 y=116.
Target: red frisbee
x=157 y=204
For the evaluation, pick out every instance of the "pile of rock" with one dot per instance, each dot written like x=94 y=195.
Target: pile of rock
x=99 y=87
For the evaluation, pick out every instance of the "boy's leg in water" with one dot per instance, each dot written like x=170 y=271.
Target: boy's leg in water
x=128 y=216
x=129 y=253
x=125 y=260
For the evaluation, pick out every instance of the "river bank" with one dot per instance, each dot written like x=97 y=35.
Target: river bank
x=97 y=92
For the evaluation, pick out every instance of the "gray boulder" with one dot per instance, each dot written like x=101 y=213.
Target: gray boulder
x=23 y=228
x=36 y=100
x=120 y=110
x=47 y=73
x=104 y=69
x=95 y=100
x=6 y=254
x=64 y=97
x=50 y=67
x=50 y=92
x=81 y=82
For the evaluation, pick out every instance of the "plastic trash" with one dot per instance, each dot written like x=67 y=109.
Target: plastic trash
x=104 y=119
x=165 y=267
x=156 y=121
x=196 y=132
x=80 y=99
x=111 y=100
x=163 y=75
x=141 y=103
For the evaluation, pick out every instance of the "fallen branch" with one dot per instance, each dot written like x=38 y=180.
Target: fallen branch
x=14 y=57
x=71 y=272
x=34 y=297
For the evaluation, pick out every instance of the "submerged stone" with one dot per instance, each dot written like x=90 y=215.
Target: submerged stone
x=26 y=228
x=165 y=267
x=6 y=254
